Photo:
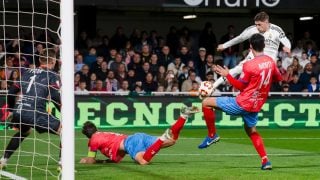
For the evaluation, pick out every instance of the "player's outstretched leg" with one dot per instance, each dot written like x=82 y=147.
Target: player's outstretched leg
x=185 y=112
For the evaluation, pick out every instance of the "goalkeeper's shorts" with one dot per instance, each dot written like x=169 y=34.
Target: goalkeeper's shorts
x=231 y=107
x=41 y=122
x=138 y=142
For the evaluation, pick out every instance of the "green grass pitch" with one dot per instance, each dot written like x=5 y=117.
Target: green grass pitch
x=294 y=153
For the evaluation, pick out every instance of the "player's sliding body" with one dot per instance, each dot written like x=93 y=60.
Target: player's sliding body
x=29 y=110
x=141 y=147
x=273 y=35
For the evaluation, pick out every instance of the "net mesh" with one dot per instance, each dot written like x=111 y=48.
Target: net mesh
x=26 y=28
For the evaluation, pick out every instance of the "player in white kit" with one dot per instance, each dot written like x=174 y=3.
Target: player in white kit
x=273 y=35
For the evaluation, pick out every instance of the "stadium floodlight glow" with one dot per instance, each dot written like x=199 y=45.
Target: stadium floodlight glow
x=190 y=16
x=305 y=18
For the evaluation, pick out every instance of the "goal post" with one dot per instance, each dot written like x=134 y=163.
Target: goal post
x=67 y=89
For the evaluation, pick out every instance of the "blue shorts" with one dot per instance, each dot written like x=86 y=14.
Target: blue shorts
x=138 y=142
x=230 y=106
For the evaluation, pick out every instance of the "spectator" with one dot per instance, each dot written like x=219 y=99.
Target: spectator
x=82 y=42
x=114 y=65
x=103 y=49
x=91 y=57
x=306 y=75
x=285 y=90
x=208 y=39
x=14 y=78
x=176 y=66
x=298 y=50
x=304 y=59
x=136 y=63
x=230 y=54
x=93 y=81
x=165 y=57
x=171 y=80
x=112 y=56
x=79 y=63
x=153 y=39
x=124 y=86
x=173 y=40
x=185 y=38
x=315 y=64
x=77 y=78
x=121 y=73
x=119 y=39
x=185 y=55
x=194 y=89
x=154 y=64
x=81 y=89
x=288 y=76
x=161 y=75
x=141 y=75
x=131 y=78
x=145 y=53
x=200 y=62
x=295 y=85
x=187 y=84
x=148 y=84
x=183 y=76
x=99 y=86
x=296 y=67
x=135 y=37
x=313 y=85
x=85 y=74
x=102 y=72
x=96 y=66
x=112 y=83
x=280 y=68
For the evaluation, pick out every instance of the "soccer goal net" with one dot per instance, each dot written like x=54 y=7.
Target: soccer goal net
x=28 y=28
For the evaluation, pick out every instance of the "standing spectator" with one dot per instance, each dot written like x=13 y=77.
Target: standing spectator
x=173 y=40
x=229 y=54
x=200 y=62
x=119 y=39
x=185 y=38
x=82 y=42
x=149 y=84
x=165 y=57
x=91 y=57
x=310 y=49
x=184 y=54
x=153 y=39
x=103 y=49
x=208 y=39
x=143 y=41
x=135 y=37
x=112 y=83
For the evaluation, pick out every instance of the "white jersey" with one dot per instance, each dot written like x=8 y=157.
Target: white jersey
x=273 y=36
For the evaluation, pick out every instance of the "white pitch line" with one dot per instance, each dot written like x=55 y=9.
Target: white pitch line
x=222 y=138
x=275 y=154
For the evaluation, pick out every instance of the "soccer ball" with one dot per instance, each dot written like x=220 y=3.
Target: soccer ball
x=205 y=88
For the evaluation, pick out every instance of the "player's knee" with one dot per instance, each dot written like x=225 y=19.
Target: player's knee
x=209 y=102
x=143 y=162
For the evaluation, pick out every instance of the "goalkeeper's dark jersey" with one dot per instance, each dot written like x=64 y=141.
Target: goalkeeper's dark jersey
x=36 y=88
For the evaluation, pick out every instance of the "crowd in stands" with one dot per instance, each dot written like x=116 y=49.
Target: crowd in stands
x=145 y=62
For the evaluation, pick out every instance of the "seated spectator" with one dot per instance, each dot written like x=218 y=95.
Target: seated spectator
x=103 y=71
x=145 y=53
x=81 y=88
x=113 y=52
x=280 y=68
x=99 y=86
x=313 y=86
x=170 y=81
x=296 y=67
x=76 y=80
x=93 y=80
x=138 y=91
x=79 y=63
x=194 y=89
x=187 y=84
x=112 y=83
x=114 y=64
x=285 y=89
x=315 y=64
x=165 y=58
x=184 y=54
x=136 y=63
x=121 y=73
x=96 y=66
x=14 y=78
x=148 y=84
x=288 y=75
x=183 y=76
x=85 y=74
x=161 y=75
x=124 y=86
x=176 y=66
x=141 y=75
x=91 y=57
x=306 y=75
x=304 y=60
x=295 y=85
x=131 y=78
x=154 y=64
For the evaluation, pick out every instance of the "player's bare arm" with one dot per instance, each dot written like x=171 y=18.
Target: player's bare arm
x=220 y=47
x=223 y=71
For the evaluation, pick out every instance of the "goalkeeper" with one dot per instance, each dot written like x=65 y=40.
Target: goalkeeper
x=140 y=146
x=27 y=103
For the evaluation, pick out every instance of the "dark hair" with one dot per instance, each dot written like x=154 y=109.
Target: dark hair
x=89 y=129
x=261 y=16
x=46 y=55
x=257 y=42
